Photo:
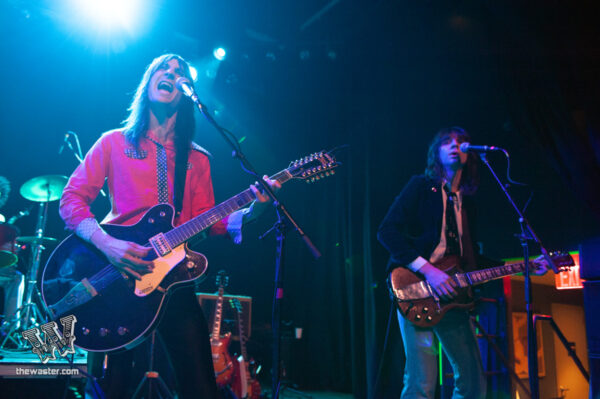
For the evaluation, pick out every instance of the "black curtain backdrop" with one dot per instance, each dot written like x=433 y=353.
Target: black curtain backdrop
x=523 y=77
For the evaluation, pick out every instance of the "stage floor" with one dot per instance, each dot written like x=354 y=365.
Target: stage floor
x=22 y=375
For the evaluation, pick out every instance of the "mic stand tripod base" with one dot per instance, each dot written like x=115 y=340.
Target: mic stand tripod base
x=151 y=377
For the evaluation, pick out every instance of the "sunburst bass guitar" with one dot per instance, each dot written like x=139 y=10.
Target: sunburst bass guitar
x=116 y=312
x=418 y=302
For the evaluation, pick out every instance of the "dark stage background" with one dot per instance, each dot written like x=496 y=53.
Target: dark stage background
x=380 y=76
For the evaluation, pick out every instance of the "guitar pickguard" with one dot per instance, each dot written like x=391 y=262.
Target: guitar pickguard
x=162 y=266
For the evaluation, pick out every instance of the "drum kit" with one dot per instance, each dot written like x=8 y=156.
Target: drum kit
x=32 y=313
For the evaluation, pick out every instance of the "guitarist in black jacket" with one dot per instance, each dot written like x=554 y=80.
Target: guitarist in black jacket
x=433 y=217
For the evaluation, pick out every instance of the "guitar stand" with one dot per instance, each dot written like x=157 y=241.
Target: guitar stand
x=152 y=377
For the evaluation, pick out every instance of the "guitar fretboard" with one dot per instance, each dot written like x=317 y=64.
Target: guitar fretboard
x=482 y=276
x=186 y=231
x=216 y=334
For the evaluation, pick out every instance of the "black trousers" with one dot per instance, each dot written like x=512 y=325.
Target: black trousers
x=183 y=335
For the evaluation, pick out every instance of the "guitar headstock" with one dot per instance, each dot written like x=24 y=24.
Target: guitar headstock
x=235 y=304
x=562 y=260
x=313 y=167
x=222 y=279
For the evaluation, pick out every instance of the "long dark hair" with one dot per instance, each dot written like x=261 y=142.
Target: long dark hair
x=469 y=181
x=137 y=122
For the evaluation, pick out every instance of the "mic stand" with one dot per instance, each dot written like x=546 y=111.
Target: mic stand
x=527 y=234
x=280 y=228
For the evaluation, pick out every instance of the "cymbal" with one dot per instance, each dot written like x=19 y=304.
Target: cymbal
x=43 y=188
x=36 y=240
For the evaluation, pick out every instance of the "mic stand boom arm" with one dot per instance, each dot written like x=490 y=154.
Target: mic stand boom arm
x=527 y=234
x=237 y=153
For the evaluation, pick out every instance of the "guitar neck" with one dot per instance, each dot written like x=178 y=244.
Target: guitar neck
x=216 y=331
x=242 y=340
x=482 y=276
x=193 y=227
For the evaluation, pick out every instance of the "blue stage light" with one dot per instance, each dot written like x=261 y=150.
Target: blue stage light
x=219 y=53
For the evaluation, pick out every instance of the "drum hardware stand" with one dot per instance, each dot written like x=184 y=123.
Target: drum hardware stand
x=29 y=314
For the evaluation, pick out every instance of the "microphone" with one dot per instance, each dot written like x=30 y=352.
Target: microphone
x=464 y=147
x=65 y=140
x=184 y=86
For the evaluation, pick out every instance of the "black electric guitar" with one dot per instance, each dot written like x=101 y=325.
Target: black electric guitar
x=418 y=302
x=114 y=311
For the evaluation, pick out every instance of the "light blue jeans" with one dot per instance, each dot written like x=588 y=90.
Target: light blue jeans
x=457 y=336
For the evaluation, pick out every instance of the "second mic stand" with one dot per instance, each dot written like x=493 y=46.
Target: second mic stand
x=527 y=234
x=280 y=227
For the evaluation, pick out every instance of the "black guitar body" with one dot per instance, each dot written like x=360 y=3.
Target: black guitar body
x=114 y=317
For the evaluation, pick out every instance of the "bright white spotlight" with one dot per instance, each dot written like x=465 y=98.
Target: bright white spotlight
x=219 y=53
x=109 y=15
x=193 y=73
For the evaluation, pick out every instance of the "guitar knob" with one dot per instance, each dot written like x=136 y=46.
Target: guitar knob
x=428 y=318
x=150 y=220
x=425 y=309
x=85 y=331
x=418 y=317
x=122 y=331
x=190 y=264
x=162 y=214
x=103 y=332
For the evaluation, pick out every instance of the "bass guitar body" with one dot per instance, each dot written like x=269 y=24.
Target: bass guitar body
x=114 y=311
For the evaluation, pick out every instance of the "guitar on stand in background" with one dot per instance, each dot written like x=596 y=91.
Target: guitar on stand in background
x=219 y=345
x=244 y=385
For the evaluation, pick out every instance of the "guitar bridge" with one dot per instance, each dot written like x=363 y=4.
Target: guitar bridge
x=160 y=244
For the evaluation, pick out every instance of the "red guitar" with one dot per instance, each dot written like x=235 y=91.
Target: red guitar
x=418 y=302
x=219 y=345
x=244 y=385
